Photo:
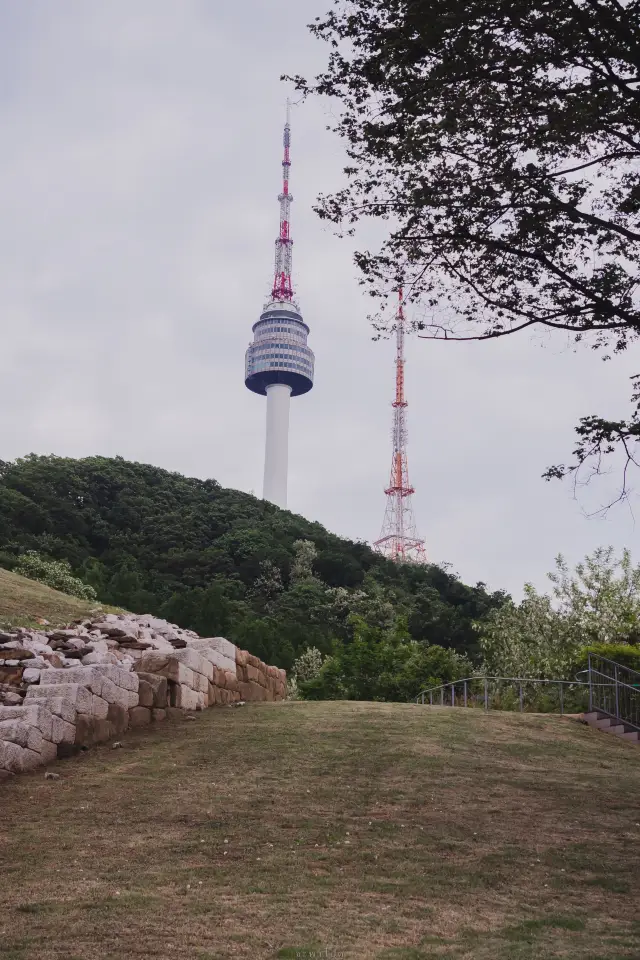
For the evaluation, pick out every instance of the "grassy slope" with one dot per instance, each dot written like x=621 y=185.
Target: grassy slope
x=364 y=830
x=23 y=601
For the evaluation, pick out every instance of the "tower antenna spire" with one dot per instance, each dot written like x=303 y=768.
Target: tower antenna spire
x=282 y=284
x=398 y=539
x=278 y=362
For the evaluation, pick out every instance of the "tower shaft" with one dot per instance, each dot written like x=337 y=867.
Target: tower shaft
x=398 y=539
x=276 y=454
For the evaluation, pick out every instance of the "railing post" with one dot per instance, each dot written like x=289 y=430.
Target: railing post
x=520 y=698
x=590 y=687
x=442 y=696
x=561 y=685
x=453 y=694
x=615 y=676
x=423 y=699
x=486 y=694
x=430 y=698
x=465 y=693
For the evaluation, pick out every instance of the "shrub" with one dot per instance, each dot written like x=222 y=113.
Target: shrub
x=53 y=573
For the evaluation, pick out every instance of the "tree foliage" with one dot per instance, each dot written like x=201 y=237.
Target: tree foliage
x=221 y=562
x=501 y=142
x=547 y=636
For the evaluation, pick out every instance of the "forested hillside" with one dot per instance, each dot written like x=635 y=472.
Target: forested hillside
x=223 y=562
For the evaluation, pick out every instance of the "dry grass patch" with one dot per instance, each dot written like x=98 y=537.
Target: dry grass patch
x=23 y=602
x=329 y=829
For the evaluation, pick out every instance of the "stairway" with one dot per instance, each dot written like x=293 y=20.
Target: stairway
x=611 y=725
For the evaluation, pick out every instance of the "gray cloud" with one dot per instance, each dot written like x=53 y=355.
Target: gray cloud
x=140 y=168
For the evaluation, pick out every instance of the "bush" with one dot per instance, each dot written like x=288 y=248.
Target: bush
x=53 y=573
x=624 y=653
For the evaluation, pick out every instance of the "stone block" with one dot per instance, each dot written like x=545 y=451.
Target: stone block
x=230 y=680
x=91 y=730
x=145 y=694
x=49 y=751
x=35 y=714
x=62 y=732
x=89 y=677
x=245 y=690
x=174 y=713
x=74 y=693
x=99 y=707
x=200 y=683
x=158 y=715
x=225 y=695
x=25 y=735
x=62 y=708
x=118 y=717
x=201 y=700
x=11 y=674
x=159 y=687
x=18 y=759
x=139 y=716
x=253 y=661
x=241 y=657
x=113 y=693
x=194 y=661
x=252 y=673
x=167 y=667
x=257 y=692
x=219 y=644
x=186 y=698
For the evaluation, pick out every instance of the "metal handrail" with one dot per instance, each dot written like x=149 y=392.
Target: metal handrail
x=626 y=705
x=445 y=686
x=614 y=663
x=465 y=681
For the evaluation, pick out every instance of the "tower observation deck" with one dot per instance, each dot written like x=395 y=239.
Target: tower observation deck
x=278 y=363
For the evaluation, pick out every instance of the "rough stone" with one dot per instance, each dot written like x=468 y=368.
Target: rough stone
x=159 y=686
x=186 y=698
x=36 y=715
x=16 y=653
x=61 y=731
x=99 y=707
x=49 y=751
x=91 y=730
x=76 y=694
x=145 y=694
x=200 y=683
x=17 y=759
x=139 y=716
x=25 y=735
x=157 y=715
x=11 y=674
x=118 y=717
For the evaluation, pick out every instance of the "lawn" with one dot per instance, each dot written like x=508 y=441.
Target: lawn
x=334 y=830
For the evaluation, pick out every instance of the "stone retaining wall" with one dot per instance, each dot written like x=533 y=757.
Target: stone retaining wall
x=68 y=689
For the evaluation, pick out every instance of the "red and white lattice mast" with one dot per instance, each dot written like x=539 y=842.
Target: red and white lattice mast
x=398 y=540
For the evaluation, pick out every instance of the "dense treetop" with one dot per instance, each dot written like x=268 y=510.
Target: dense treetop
x=221 y=561
x=500 y=139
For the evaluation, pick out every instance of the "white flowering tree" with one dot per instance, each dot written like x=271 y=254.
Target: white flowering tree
x=599 y=602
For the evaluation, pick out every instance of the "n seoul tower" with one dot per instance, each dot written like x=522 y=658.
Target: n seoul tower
x=278 y=363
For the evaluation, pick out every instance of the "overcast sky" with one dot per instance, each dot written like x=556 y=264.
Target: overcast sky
x=140 y=165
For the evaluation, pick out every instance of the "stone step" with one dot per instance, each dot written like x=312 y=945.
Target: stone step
x=632 y=735
x=592 y=716
x=604 y=723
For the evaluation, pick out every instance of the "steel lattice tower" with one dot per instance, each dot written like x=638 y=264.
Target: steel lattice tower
x=278 y=362
x=398 y=539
